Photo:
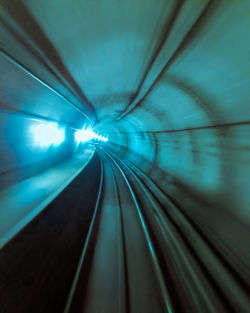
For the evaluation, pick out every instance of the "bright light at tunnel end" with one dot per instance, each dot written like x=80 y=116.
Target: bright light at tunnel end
x=87 y=134
x=47 y=134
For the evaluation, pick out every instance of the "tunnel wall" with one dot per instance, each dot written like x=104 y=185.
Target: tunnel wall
x=33 y=92
x=191 y=124
x=189 y=129
x=25 y=103
x=21 y=157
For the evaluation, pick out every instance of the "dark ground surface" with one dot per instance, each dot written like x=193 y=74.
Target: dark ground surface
x=38 y=265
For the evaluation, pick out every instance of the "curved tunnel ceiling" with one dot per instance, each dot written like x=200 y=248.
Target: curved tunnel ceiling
x=168 y=82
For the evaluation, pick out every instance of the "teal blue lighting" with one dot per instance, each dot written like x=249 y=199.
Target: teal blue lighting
x=47 y=134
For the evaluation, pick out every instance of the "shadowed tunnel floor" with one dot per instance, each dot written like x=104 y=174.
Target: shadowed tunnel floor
x=156 y=219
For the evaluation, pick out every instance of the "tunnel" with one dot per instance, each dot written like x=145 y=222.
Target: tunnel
x=124 y=156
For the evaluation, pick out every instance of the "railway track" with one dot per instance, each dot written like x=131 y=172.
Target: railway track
x=131 y=249
x=147 y=256
x=124 y=274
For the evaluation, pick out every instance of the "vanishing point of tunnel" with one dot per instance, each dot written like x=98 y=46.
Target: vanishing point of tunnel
x=124 y=156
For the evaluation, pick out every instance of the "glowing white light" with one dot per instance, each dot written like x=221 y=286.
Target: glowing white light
x=47 y=134
x=87 y=134
x=84 y=135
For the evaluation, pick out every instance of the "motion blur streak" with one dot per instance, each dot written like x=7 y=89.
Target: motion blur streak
x=125 y=156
